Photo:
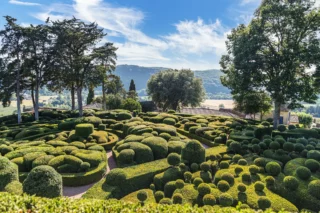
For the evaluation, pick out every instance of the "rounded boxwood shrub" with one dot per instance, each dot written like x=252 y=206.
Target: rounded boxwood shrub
x=165 y=201
x=264 y=203
x=241 y=187
x=126 y=156
x=270 y=181
x=116 y=177
x=42 y=160
x=169 y=121
x=142 y=195
x=273 y=168
x=224 y=165
x=242 y=162
x=102 y=127
x=197 y=181
x=205 y=166
x=179 y=184
x=256 y=148
x=209 y=200
x=175 y=146
x=236 y=158
x=152 y=187
x=194 y=167
x=228 y=177
x=288 y=146
x=158 y=145
x=259 y=186
x=312 y=164
x=303 y=172
x=263 y=145
x=246 y=177
x=314 y=188
x=235 y=146
x=282 y=128
x=158 y=195
x=85 y=166
x=165 y=136
x=173 y=159
x=177 y=198
x=313 y=154
x=193 y=152
x=238 y=170
x=260 y=162
x=187 y=177
x=223 y=185
x=84 y=130
x=14 y=187
x=253 y=169
x=169 y=188
x=204 y=189
x=274 y=145
x=298 y=147
x=43 y=181
x=8 y=172
x=225 y=199
x=290 y=183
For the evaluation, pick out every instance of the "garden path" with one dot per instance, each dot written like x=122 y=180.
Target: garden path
x=77 y=192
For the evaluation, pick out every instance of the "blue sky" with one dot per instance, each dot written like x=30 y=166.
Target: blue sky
x=163 y=33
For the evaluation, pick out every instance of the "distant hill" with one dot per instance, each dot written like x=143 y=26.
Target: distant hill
x=141 y=75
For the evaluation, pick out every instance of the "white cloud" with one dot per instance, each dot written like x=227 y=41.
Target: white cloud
x=23 y=3
x=244 y=2
x=197 y=37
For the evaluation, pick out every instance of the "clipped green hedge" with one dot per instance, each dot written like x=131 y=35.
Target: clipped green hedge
x=196 y=137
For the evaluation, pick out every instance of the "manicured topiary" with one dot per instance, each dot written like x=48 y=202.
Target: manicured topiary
x=204 y=189
x=142 y=196
x=152 y=187
x=303 y=172
x=209 y=200
x=253 y=169
x=256 y=148
x=236 y=158
x=235 y=146
x=205 y=166
x=260 y=162
x=282 y=128
x=179 y=184
x=246 y=177
x=288 y=146
x=290 y=183
x=165 y=136
x=158 y=145
x=169 y=121
x=84 y=130
x=270 y=181
x=314 y=188
x=223 y=185
x=298 y=147
x=224 y=165
x=242 y=162
x=197 y=182
x=183 y=167
x=314 y=154
x=273 y=168
x=126 y=156
x=158 y=196
x=169 y=188
x=187 y=177
x=194 y=167
x=85 y=166
x=258 y=186
x=263 y=145
x=310 y=147
x=265 y=123
x=165 y=201
x=177 y=198
x=43 y=181
x=238 y=170
x=193 y=152
x=274 y=145
x=173 y=159
x=264 y=203
x=8 y=172
x=241 y=187
x=14 y=187
x=116 y=177
x=225 y=199
x=228 y=177
x=312 y=164
x=102 y=127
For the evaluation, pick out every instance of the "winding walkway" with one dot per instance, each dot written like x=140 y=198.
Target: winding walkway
x=77 y=192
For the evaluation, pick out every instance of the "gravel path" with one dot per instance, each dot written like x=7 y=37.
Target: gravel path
x=77 y=192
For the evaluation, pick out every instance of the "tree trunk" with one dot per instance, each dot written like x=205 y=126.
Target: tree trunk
x=18 y=93
x=79 y=96
x=261 y=116
x=72 y=99
x=32 y=97
x=276 y=114
x=36 y=107
x=104 y=101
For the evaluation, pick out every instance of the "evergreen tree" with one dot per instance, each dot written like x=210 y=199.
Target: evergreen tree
x=132 y=86
x=90 y=95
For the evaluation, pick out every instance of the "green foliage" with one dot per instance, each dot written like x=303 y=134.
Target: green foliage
x=158 y=145
x=314 y=188
x=43 y=181
x=203 y=189
x=312 y=164
x=158 y=195
x=241 y=187
x=223 y=185
x=8 y=172
x=177 y=198
x=305 y=119
x=173 y=159
x=258 y=186
x=225 y=199
x=273 y=168
x=264 y=203
x=209 y=200
x=142 y=195
x=290 y=183
x=116 y=177
x=303 y=173
x=84 y=130
x=193 y=152
x=131 y=105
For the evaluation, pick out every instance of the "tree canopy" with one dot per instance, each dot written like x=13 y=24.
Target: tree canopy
x=275 y=53
x=173 y=89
